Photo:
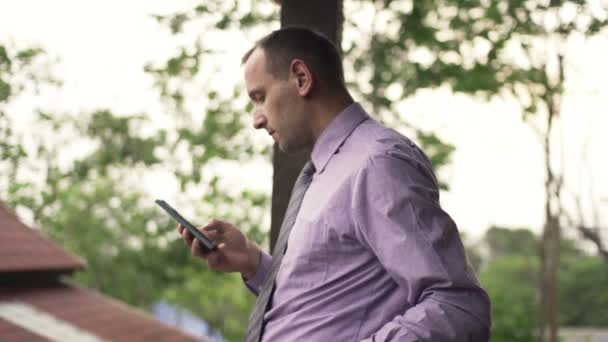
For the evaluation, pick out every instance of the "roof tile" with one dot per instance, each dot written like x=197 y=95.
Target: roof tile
x=18 y=243
x=92 y=312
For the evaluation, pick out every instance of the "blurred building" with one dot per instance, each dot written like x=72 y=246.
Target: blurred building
x=185 y=321
x=39 y=302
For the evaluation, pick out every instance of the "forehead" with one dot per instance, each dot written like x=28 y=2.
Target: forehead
x=255 y=69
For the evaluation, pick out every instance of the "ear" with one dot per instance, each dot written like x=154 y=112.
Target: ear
x=302 y=76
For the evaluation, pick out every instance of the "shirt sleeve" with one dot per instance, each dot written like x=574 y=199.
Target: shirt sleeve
x=256 y=282
x=398 y=217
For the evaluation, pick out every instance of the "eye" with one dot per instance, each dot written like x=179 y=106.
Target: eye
x=259 y=98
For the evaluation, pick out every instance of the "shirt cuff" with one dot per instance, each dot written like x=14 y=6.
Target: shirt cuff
x=255 y=283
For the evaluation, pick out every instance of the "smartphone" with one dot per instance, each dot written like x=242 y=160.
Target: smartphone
x=207 y=244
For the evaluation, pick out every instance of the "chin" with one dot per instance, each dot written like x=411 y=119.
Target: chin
x=289 y=148
x=285 y=149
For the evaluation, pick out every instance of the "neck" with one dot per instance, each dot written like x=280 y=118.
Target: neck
x=327 y=110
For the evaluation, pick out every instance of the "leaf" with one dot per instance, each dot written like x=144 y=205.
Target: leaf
x=26 y=56
x=5 y=90
x=5 y=62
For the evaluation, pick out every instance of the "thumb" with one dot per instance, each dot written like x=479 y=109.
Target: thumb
x=223 y=250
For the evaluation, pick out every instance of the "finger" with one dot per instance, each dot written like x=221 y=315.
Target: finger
x=188 y=237
x=196 y=248
x=180 y=228
x=214 y=225
x=222 y=249
x=214 y=260
x=212 y=234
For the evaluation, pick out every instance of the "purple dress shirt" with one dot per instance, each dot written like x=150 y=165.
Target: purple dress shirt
x=372 y=256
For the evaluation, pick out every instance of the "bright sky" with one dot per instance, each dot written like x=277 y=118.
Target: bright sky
x=497 y=172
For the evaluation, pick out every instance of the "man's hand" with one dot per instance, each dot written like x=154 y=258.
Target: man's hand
x=235 y=252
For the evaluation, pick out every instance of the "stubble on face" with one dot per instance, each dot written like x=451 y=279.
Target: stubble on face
x=293 y=122
x=283 y=110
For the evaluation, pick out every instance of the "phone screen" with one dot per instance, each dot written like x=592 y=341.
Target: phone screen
x=207 y=244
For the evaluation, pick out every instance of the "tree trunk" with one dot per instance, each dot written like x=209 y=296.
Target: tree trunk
x=551 y=238
x=549 y=290
x=324 y=16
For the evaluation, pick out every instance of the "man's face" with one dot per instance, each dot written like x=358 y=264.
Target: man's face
x=278 y=108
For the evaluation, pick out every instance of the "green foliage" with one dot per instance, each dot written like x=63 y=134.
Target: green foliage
x=510 y=276
x=5 y=90
x=28 y=55
x=583 y=291
x=510 y=283
x=220 y=298
x=184 y=65
x=438 y=151
x=20 y=70
x=509 y=242
x=483 y=48
x=128 y=250
x=5 y=61
x=120 y=146
x=381 y=62
x=94 y=206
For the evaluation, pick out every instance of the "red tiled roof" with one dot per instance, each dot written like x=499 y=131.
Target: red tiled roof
x=11 y=332
x=23 y=249
x=92 y=312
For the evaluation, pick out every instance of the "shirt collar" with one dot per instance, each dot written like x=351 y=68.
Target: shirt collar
x=335 y=134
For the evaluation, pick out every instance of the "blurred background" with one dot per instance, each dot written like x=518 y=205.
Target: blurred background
x=108 y=105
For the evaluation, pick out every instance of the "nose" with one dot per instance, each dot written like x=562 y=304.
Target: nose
x=259 y=120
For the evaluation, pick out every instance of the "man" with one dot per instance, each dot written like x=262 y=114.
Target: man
x=365 y=252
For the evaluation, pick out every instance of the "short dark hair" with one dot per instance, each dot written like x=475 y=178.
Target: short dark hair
x=317 y=51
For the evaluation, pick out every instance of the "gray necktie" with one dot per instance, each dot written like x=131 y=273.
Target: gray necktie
x=254 y=330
